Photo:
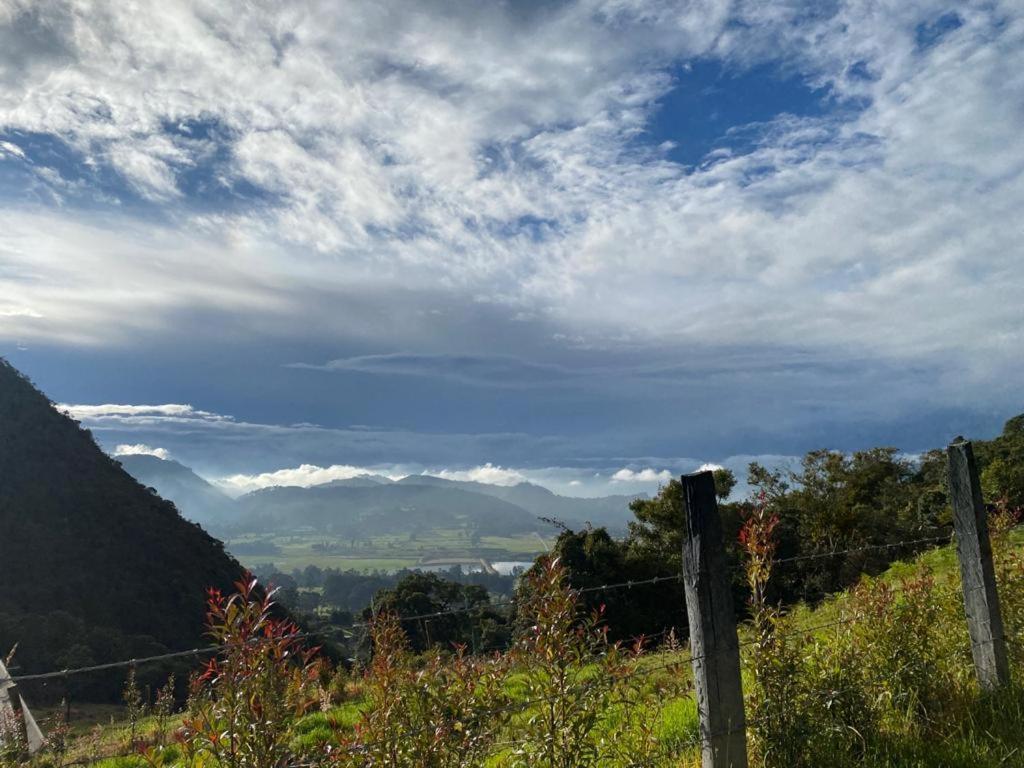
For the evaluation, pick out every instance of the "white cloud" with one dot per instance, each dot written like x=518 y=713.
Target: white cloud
x=7 y=148
x=646 y=475
x=487 y=473
x=709 y=467
x=305 y=476
x=137 y=412
x=19 y=312
x=141 y=449
x=233 y=452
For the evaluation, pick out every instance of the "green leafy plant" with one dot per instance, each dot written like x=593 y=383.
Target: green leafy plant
x=244 y=699
x=135 y=707
x=774 y=712
x=431 y=712
x=569 y=674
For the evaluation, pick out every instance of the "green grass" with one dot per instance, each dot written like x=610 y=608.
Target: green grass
x=318 y=729
x=986 y=731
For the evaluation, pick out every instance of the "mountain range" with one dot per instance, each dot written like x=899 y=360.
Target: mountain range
x=374 y=504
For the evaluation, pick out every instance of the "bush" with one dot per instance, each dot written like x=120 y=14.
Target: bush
x=244 y=701
x=432 y=713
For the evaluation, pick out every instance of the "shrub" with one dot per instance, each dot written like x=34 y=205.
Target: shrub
x=776 y=721
x=568 y=673
x=244 y=700
x=435 y=712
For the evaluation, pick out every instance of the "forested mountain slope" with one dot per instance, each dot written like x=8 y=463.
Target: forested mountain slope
x=196 y=499
x=376 y=508
x=94 y=565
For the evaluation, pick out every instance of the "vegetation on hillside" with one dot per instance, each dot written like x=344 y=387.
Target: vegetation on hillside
x=879 y=675
x=95 y=566
x=857 y=508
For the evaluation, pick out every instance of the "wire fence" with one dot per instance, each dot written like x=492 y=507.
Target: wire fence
x=646 y=665
x=642 y=668
x=346 y=632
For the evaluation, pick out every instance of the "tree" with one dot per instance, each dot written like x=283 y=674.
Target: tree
x=848 y=504
x=312 y=576
x=1002 y=466
x=657 y=535
x=591 y=559
x=725 y=481
x=452 y=613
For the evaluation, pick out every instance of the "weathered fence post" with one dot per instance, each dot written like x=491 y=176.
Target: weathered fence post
x=981 y=601
x=713 y=641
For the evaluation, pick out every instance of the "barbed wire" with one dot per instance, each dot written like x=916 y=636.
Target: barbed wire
x=945 y=539
x=307 y=634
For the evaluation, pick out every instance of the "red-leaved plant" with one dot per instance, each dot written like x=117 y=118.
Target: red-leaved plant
x=244 y=699
x=774 y=719
x=435 y=711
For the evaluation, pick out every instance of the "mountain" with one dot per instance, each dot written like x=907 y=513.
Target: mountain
x=610 y=511
x=372 y=505
x=361 y=481
x=95 y=566
x=196 y=499
x=359 y=509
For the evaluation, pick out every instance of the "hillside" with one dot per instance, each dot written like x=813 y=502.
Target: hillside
x=196 y=499
x=371 y=506
x=877 y=676
x=94 y=564
x=610 y=511
x=346 y=509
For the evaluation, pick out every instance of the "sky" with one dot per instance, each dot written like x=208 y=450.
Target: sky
x=589 y=243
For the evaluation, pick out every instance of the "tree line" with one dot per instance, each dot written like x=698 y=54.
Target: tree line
x=841 y=515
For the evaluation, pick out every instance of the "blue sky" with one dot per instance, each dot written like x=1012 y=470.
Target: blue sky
x=588 y=243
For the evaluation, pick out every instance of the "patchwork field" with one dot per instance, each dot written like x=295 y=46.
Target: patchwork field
x=299 y=549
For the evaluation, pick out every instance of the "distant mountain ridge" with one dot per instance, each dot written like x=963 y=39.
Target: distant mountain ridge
x=610 y=511
x=375 y=504
x=374 y=509
x=196 y=499
x=371 y=505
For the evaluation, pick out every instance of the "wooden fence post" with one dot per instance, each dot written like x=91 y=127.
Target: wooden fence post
x=713 y=640
x=981 y=601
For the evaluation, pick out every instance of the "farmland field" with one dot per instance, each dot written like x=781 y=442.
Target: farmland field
x=393 y=552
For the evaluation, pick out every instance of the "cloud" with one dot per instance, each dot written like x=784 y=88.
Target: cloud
x=290 y=174
x=646 y=475
x=487 y=473
x=141 y=449
x=11 y=150
x=567 y=481
x=480 y=370
x=494 y=156
x=305 y=476
x=19 y=312
x=138 y=413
